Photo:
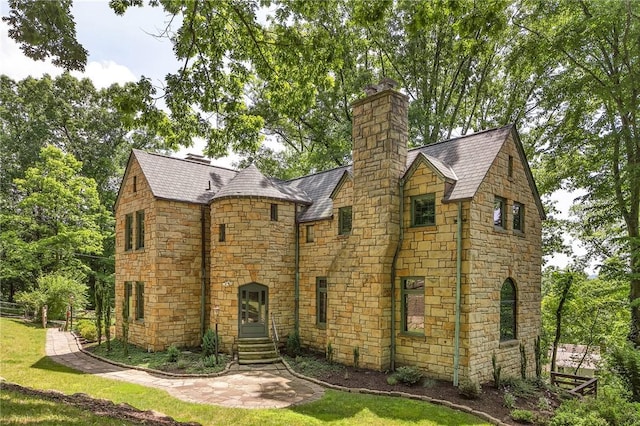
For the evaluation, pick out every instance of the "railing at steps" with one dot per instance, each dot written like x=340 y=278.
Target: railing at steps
x=577 y=386
x=274 y=334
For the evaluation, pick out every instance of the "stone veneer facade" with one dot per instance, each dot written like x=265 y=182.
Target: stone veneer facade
x=357 y=265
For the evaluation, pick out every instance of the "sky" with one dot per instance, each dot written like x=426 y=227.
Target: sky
x=123 y=49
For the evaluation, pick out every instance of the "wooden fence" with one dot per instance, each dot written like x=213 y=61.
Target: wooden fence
x=8 y=309
x=577 y=386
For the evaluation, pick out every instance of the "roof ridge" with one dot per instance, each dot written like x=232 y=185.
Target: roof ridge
x=462 y=137
x=317 y=173
x=169 y=157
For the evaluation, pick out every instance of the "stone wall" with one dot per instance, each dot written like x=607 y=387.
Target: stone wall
x=256 y=250
x=497 y=255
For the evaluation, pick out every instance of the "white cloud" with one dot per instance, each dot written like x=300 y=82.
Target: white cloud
x=104 y=74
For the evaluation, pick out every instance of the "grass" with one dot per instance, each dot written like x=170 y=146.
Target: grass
x=19 y=409
x=23 y=361
x=188 y=362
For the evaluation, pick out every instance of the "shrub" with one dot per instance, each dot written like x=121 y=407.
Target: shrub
x=330 y=353
x=470 y=389
x=209 y=361
x=55 y=290
x=87 y=330
x=356 y=357
x=624 y=361
x=293 y=344
x=537 y=349
x=408 y=375
x=497 y=369
x=610 y=408
x=173 y=353
x=523 y=361
x=522 y=416
x=392 y=380
x=509 y=400
x=209 y=341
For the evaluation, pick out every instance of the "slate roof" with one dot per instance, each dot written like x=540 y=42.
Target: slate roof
x=462 y=161
x=182 y=180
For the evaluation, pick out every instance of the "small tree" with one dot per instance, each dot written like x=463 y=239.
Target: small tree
x=56 y=291
x=99 y=299
x=125 y=328
x=106 y=307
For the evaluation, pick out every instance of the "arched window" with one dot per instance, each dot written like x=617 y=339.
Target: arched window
x=508 y=310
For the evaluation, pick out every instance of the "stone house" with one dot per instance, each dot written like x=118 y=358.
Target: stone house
x=427 y=257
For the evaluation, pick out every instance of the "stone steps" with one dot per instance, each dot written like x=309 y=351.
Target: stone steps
x=257 y=351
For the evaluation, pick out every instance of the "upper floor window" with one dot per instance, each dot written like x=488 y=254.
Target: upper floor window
x=518 y=217
x=508 y=310
x=310 y=234
x=128 y=232
x=499 y=212
x=423 y=210
x=222 y=232
x=140 y=229
x=274 y=212
x=344 y=220
x=135 y=183
x=510 y=167
x=321 y=297
x=139 y=300
x=413 y=305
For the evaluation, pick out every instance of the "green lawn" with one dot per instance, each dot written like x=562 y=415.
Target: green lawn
x=23 y=361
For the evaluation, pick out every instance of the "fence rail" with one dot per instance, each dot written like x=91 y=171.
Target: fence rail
x=8 y=309
x=577 y=386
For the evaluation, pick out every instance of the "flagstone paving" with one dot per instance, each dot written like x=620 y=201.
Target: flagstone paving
x=266 y=386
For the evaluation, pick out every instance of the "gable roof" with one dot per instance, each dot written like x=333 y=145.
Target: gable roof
x=319 y=187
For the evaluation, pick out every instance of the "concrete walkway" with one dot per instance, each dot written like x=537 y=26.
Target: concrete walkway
x=271 y=386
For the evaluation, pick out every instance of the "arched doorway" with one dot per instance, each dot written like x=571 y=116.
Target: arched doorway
x=253 y=315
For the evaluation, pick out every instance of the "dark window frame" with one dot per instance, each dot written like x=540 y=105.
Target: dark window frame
x=502 y=203
x=135 y=184
x=139 y=229
x=418 y=216
x=128 y=292
x=139 y=300
x=406 y=293
x=274 y=212
x=508 y=311
x=222 y=233
x=128 y=232
x=518 y=217
x=345 y=220
x=322 y=301
x=310 y=235
x=510 y=167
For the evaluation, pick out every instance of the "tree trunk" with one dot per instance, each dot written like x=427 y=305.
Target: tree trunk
x=556 y=340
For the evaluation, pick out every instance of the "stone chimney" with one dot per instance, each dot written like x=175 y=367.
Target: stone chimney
x=380 y=135
x=197 y=158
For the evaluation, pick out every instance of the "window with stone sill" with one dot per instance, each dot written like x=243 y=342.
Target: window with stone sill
x=274 y=212
x=310 y=234
x=128 y=232
x=344 y=220
x=139 y=229
x=508 y=299
x=222 y=233
x=128 y=291
x=499 y=216
x=518 y=217
x=321 y=297
x=413 y=305
x=423 y=210
x=139 y=301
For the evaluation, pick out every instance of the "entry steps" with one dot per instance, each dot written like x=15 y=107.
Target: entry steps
x=257 y=350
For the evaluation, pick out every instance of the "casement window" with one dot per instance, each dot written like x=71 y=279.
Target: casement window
x=499 y=217
x=222 y=232
x=344 y=220
x=423 y=210
x=321 y=297
x=310 y=234
x=139 y=229
x=413 y=305
x=518 y=217
x=508 y=311
x=510 y=167
x=274 y=212
x=139 y=300
x=128 y=232
x=128 y=291
x=135 y=184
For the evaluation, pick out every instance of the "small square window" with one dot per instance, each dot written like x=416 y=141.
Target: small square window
x=222 y=233
x=423 y=210
x=518 y=217
x=274 y=212
x=310 y=234
x=344 y=220
x=499 y=212
x=128 y=232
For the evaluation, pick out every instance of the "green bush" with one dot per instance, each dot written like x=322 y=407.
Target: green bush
x=55 y=290
x=392 y=380
x=87 y=330
x=509 y=400
x=293 y=344
x=329 y=354
x=209 y=343
x=173 y=353
x=610 y=408
x=408 y=375
x=522 y=416
x=209 y=361
x=624 y=361
x=497 y=370
x=470 y=389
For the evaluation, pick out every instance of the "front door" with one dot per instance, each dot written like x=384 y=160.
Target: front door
x=253 y=316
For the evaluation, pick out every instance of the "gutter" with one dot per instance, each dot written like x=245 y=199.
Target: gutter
x=392 y=361
x=203 y=272
x=456 y=348
x=296 y=312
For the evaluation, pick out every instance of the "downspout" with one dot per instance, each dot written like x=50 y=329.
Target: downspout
x=203 y=271
x=456 y=349
x=296 y=313
x=392 y=365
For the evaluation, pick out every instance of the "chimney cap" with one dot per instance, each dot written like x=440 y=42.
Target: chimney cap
x=198 y=158
x=386 y=83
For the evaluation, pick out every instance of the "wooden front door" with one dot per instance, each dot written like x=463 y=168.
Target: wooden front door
x=253 y=319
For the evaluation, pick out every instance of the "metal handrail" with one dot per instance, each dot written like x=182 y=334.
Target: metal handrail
x=274 y=334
